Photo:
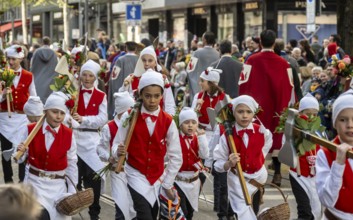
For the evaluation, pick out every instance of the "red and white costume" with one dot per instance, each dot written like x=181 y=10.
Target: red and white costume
x=120 y=191
x=93 y=109
x=51 y=155
x=132 y=81
x=334 y=183
x=253 y=148
x=193 y=148
x=150 y=143
x=23 y=87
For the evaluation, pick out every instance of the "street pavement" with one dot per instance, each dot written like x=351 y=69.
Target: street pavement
x=272 y=198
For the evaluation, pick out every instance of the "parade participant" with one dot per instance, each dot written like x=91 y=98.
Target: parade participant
x=302 y=178
x=333 y=169
x=22 y=87
x=209 y=96
x=220 y=188
x=33 y=109
x=121 y=69
x=148 y=60
x=266 y=76
x=252 y=142
x=120 y=193
x=43 y=65
x=194 y=147
x=155 y=136
x=200 y=60
x=91 y=115
x=56 y=142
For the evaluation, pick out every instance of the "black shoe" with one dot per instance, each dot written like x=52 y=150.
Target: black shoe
x=277 y=178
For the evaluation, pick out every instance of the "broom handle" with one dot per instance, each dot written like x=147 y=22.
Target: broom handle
x=320 y=141
x=122 y=158
x=8 y=104
x=30 y=137
x=238 y=165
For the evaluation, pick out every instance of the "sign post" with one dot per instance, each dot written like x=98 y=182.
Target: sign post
x=310 y=15
x=133 y=17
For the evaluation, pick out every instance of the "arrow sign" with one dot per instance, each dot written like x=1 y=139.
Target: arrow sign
x=302 y=29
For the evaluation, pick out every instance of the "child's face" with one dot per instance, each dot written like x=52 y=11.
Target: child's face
x=204 y=85
x=14 y=63
x=151 y=97
x=344 y=125
x=55 y=117
x=87 y=79
x=148 y=61
x=243 y=115
x=189 y=127
x=309 y=112
x=33 y=118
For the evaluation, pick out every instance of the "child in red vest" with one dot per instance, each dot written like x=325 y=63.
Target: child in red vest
x=23 y=87
x=123 y=203
x=194 y=147
x=334 y=175
x=155 y=136
x=252 y=141
x=91 y=116
x=302 y=178
x=148 y=60
x=51 y=156
x=209 y=96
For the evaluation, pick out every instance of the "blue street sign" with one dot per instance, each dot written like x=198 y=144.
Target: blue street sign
x=133 y=12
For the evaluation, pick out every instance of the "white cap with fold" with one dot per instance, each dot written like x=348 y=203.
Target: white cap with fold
x=57 y=100
x=123 y=101
x=33 y=106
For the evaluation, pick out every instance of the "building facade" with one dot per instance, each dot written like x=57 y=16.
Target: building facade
x=182 y=20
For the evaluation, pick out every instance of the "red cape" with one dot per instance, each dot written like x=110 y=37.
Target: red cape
x=269 y=84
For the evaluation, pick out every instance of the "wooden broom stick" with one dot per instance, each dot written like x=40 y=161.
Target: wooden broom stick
x=30 y=137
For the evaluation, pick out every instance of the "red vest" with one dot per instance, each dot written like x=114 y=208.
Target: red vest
x=95 y=101
x=252 y=158
x=304 y=163
x=21 y=93
x=146 y=153
x=113 y=129
x=346 y=192
x=189 y=157
x=207 y=103
x=56 y=158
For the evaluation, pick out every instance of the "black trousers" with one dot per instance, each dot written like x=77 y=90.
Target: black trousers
x=185 y=204
x=144 y=211
x=6 y=165
x=220 y=192
x=302 y=199
x=44 y=215
x=119 y=215
x=86 y=175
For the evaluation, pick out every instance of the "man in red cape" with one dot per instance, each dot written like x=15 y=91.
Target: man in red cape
x=267 y=77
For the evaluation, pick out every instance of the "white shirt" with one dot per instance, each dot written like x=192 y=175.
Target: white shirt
x=329 y=182
x=221 y=152
x=103 y=148
x=16 y=80
x=174 y=153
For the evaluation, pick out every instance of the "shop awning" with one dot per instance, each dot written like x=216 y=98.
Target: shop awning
x=8 y=26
